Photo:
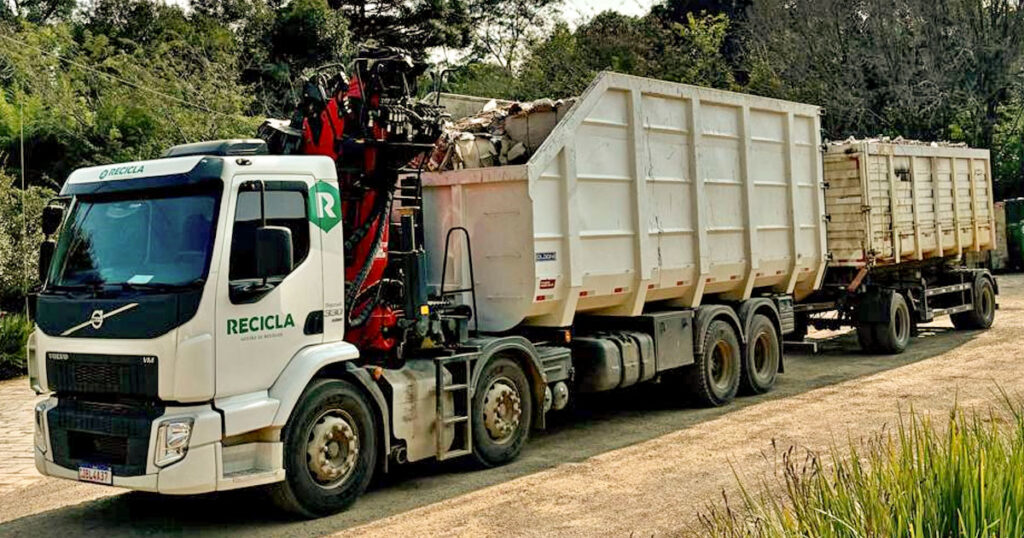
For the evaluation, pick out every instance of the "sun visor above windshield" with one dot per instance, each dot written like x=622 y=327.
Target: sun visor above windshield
x=143 y=175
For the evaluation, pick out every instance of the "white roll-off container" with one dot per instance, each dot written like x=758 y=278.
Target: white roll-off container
x=645 y=191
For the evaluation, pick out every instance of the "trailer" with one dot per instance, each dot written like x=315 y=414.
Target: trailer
x=903 y=219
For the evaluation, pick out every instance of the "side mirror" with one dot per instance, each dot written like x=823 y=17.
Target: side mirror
x=45 y=257
x=53 y=215
x=273 y=251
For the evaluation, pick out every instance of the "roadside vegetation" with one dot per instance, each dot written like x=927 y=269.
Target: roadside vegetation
x=961 y=476
x=14 y=331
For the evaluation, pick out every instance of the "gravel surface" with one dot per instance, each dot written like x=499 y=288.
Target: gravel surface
x=629 y=465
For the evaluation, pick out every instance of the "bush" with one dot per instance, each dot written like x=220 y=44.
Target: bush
x=14 y=331
x=963 y=480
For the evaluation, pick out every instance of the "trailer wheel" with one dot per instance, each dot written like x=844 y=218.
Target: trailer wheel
x=984 y=312
x=894 y=336
x=714 y=378
x=760 y=357
x=330 y=450
x=502 y=413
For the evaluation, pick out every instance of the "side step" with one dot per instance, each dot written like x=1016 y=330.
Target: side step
x=454 y=377
x=801 y=346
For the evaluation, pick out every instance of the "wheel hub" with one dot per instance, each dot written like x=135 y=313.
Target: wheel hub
x=502 y=411
x=332 y=450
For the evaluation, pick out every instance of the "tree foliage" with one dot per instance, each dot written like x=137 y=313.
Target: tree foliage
x=916 y=68
x=415 y=25
x=99 y=91
x=20 y=213
x=503 y=30
x=566 y=61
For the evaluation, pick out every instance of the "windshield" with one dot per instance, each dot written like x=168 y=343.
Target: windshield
x=140 y=242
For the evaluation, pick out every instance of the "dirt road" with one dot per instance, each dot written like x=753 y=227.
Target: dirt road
x=629 y=466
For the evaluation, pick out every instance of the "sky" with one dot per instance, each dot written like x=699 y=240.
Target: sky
x=579 y=10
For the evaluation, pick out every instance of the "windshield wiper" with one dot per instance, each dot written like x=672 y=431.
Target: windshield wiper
x=158 y=286
x=73 y=288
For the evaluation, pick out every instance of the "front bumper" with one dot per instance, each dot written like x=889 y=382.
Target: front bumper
x=207 y=466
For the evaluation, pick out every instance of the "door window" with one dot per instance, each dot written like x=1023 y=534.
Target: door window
x=282 y=203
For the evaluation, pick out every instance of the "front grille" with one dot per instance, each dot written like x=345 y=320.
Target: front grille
x=95 y=448
x=124 y=375
x=90 y=432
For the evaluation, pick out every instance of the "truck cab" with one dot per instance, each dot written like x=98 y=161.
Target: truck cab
x=179 y=292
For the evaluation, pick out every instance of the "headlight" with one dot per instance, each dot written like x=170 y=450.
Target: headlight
x=172 y=438
x=40 y=433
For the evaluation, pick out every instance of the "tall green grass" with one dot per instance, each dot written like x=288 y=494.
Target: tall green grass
x=964 y=479
x=14 y=332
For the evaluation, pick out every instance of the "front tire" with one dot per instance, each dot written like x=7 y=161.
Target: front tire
x=984 y=312
x=761 y=357
x=502 y=413
x=330 y=450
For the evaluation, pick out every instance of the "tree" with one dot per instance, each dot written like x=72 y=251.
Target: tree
x=96 y=91
x=567 y=61
x=733 y=11
x=554 y=67
x=20 y=214
x=913 y=68
x=505 y=29
x=414 y=25
x=36 y=11
x=484 y=79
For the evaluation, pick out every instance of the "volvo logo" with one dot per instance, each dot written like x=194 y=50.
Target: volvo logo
x=96 y=320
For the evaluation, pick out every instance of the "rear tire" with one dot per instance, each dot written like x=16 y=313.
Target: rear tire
x=894 y=336
x=502 y=413
x=334 y=422
x=761 y=357
x=714 y=378
x=984 y=312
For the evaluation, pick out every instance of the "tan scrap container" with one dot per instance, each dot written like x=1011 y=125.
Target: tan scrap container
x=941 y=197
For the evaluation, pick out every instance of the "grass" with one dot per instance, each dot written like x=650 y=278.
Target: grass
x=966 y=479
x=14 y=331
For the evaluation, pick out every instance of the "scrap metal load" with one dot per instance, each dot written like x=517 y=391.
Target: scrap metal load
x=891 y=201
x=499 y=135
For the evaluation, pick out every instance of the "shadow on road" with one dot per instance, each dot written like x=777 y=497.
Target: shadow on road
x=607 y=423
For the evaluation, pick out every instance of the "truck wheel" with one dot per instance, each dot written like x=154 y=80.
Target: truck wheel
x=502 y=413
x=893 y=337
x=715 y=376
x=984 y=312
x=761 y=357
x=330 y=450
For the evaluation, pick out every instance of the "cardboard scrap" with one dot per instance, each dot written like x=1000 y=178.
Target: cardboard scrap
x=498 y=135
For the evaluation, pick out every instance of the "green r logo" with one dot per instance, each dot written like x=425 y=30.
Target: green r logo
x=324 y=205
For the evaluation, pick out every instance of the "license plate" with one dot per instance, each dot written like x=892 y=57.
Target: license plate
x=99 y=474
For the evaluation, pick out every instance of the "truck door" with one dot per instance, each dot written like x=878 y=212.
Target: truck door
x=261 y=325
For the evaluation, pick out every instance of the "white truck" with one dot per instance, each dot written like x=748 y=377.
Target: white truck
x=191 y=333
